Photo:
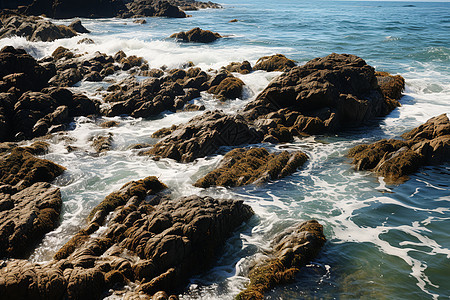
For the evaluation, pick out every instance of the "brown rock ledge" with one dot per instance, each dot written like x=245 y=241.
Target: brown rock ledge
x=256 y=165
x=154 y=241
x=396 y=159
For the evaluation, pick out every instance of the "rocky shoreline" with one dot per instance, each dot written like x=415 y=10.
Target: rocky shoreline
x=141 y=235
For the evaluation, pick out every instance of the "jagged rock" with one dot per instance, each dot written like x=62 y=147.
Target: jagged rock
x=78 y=27
x=155 y=242
x=140 y=21
x=17 y=61
x=26 y=216
x=246 y=166
x=277 y=62
x=151 y=8
x=243 y=67
x=33 y=28
x=396 y=159
x=109 y=124
x=102 y=143
x=229 y=88
x=203 y=135
x=291 y=250
x=323 y=95
x=196 y=35
x=21 y=169
x=86 y=41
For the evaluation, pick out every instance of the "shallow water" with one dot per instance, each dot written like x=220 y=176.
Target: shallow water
x=384 y=241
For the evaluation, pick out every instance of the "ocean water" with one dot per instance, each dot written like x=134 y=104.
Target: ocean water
x=384 y=241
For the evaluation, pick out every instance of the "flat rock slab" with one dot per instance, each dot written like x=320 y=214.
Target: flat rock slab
x=256 y=165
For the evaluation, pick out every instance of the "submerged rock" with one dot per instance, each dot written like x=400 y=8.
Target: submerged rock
x=204 y=135
x=256 y=165
x=157 y=243
x=196 y=35
x=277 y=62
x=33 y=28
x=396 y=159
x=291 y=250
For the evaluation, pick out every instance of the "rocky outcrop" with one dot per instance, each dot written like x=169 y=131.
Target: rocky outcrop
x=204 y=135
x=20 y=72
x=28 y=108
x=193 y=4
x=324 y=95
x=243 y=67
x=256 y=165
x=396 y=159
x=291 y=250
x=155 y=242
x=78 y=27
x=151 y=8
x=277 y=62
x=196 y=35
x=25 y=216
x=229 y=88
x=33 y=28
x=21 y=169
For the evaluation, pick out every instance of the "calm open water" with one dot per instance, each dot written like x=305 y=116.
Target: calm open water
x=384 y=242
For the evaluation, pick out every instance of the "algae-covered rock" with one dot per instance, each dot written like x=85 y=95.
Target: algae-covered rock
x=277 y=62
x=396 y=159
x=196 y=35
x=256 y=165
x=291 y=250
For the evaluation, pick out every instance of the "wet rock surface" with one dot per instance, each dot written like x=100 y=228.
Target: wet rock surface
x=246 y=166
x=20 y=168
x=29 y=107
x=26 y=215
x=323 y=95
x=394 y=159
x=196 y=35
x=291 y=250
x=243 y=67
x=277 y=62
x=33 y=28
x=156 y=242
x=204 y=135
x=29 y=205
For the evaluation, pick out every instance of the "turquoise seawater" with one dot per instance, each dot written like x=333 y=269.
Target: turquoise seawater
x=384 y=241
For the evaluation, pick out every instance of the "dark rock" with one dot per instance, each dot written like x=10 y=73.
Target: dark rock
x=335 y=91
x=396 y=159
x=196 y=35
x=277 y=62
x=229 y=88
x=29 y=214
x=291 y=250
x=155 y=242
x=21 y=169
x=67 y=77
x=233 y=21
x=33 y=28
x=16 y=61
x=62 y=52
x=243 y=68
x=93 y=76
x=204 y=135
x=78 y=27
x=245 y=166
